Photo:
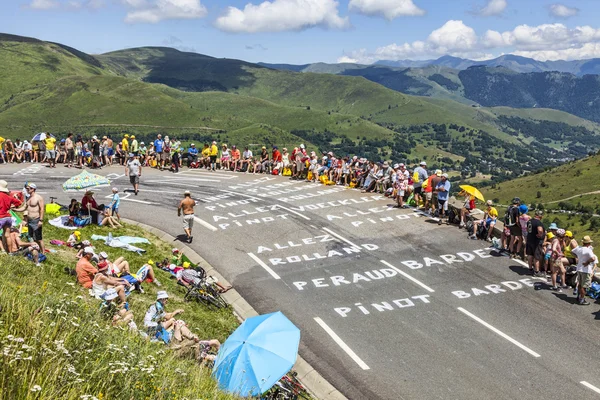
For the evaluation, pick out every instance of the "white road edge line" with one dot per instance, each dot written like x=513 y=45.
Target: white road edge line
x=342 y=344
x=407 y=276
x=590 y=386
x=205 y=224
x=343 y=239
x=498 y=332
x=265 y=266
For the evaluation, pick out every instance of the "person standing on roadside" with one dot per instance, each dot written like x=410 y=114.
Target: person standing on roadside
x=125 y=143
x=133 y=169
x=535 y=238
x=110 y=151
x=159 y=145
x=214 y=152
x=419 y=176
x=50 y=143
x=585 y=268
x=70 y=149
x=135 y=147
x=35 y=215
x=443 y=191
x=187 y=206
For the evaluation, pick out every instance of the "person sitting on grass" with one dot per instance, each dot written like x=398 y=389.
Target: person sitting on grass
x=84 y=269
x=118 y=316
x=191 y=345
x=108 y=219
x=73 y=239
x=31 y=250
x=102 y=282
x=159 y=323
x=117 y=268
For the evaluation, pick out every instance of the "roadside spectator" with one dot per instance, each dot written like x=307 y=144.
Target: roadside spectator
x=585 y=268
x=102 y=282
x=31 y=250
x=533 y=248
x=118 y=315
x=90 y=207
x=489 y=221
x=159 y=145
x=115 y=203
x=84 y=269
x=569 y=243
x=442 y=190
x=157 y=321
x=50 y=145
x=35 y=215
x=246 y=160
x=419 y=176
x=192 y=155
x=235 y=158
x=225 y=157
x=7 y=202
x=133 y=169
x=467 y=208
x=214 y=152
x=556 y=263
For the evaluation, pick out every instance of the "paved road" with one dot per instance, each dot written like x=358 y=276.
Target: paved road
x=390 y=305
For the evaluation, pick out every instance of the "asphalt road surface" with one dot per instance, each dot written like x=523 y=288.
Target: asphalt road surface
x=390 y=305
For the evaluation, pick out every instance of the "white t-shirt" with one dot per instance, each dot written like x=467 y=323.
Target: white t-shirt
x=584 y=255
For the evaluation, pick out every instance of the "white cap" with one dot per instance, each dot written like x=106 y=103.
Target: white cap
x=162 y=294
x=88 y=250
x=85 y=243
x=103 y=255
x=423 y=163
x=489 y=203
x=115 y=189
x=187 y=192
x=302 y=146
x=445 y=176
x=172 y=267
x=192 y=144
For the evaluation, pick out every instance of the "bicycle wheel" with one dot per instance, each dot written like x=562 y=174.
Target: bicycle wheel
x=213 y=291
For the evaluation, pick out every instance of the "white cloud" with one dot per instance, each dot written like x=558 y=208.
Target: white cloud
x=159 y=10
x=43 y=4
x=389 y=9
x=543 y=37
x=562 y=11
x=493 y=7
x=282 y=15
x=543 y=42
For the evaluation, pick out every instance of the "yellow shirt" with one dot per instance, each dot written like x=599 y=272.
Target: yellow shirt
x=214 y=150
x=492 y=212
x=125 y=145
x=206 y=152
x=50 y=143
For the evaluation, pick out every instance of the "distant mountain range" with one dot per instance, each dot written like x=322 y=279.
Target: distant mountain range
x=515 y=63
x=512 y=81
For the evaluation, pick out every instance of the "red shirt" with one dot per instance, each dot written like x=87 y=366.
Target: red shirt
x=277 y=156
x=90 y=200
x=6 y=201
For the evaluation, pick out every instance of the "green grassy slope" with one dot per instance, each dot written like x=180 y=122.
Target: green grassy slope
x=571 y=179
x=54 y=336
x=26 y=64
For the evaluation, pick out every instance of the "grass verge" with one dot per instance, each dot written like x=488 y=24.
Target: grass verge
x=56 y=345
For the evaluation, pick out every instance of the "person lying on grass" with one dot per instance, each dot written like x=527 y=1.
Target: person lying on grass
x=117 y=315
x=120 y=269
x=191 y=277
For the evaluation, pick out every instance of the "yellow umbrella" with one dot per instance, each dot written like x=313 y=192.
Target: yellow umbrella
x=473 y=191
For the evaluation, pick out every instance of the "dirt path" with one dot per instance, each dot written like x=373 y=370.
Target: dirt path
x=574 y=197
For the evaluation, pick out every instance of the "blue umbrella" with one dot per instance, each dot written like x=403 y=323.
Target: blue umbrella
x=257 y=354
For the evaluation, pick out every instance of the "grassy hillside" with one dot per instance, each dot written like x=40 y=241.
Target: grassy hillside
x=27 y=64
x=54 y=337
x=569 y=193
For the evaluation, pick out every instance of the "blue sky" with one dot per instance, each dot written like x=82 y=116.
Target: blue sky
x=305 y=31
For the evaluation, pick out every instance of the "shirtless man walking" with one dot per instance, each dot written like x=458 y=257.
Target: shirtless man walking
x=187 y=205
x=35 y=217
